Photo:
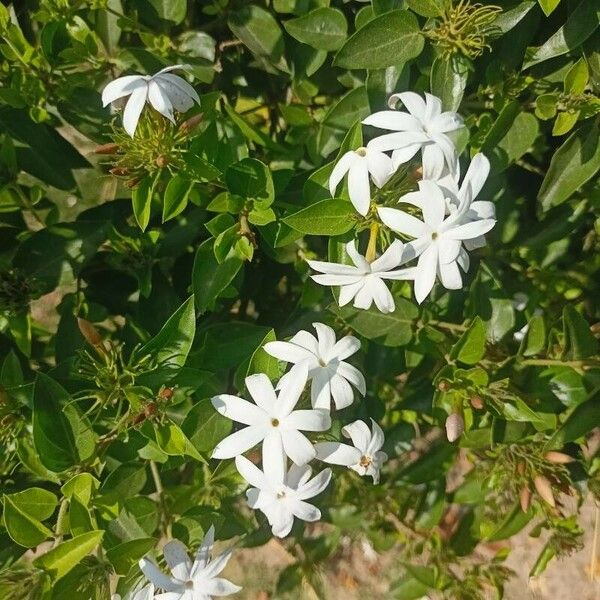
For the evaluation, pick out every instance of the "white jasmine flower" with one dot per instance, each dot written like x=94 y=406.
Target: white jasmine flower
x=282 y=496
x=359 y=164
x=423 y=127
x=363 y=282
x=189 y=580
x=272 y=420
x=330 y=376
x=164 y=91
x=438 y=239
x=365 y=457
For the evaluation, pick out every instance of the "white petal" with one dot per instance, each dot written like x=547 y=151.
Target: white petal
x=403 y=155
x=414 y=104
x=320 y=391
x=273 y=456
x=166 y=596
x=477 y=174
x=358 y=186
x=445 y=123
x=426 y=272
x=340 y=169
x=377 y=439
x=390 y=259
x=400 y=275
x=292 y=389
x=433 y=107
x=219 y=587
x=364 y=297
x=481 y=209
x=306 y=340
x=287 y=352
x=434 y=209
x=448 y=149
x=259 y=386
x=146 y=593
x=344 y=347
x=353 y=375
x=181 y=94
x=121 y=87
x=237 y=443
x=341 y=391
x=335 y=453
x=393 y=120
x=347 y=292
x=396 y=141
x=133 y=109
x=280 y=519
x=218 y=564
x=382 y=296
x=298 y=475
x=173 y=68
x=239 y=410
x=450 y=276
x=326 y=339
x=204 y=551
x=157 y=577
x=333 y=268
x=402 y=222
x=308 y=420
x=470 y=230
x=448 y=250
x=415 y=248
x=159 y=100
x=463 y=260
x=298 y=447
x=337 y=279
x=251 y=473
x=315 y=486
x=305 y=511
x=359 y=433
x=433 y=161
x=176 y=557
x=358 y=259
x=380 y=166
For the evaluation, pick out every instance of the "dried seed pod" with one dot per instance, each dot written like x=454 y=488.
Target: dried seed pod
x=188 y=125
x=89 y=332
x=166 y=393
x=119 y=171
x=455 y=426
x=443 y=386
x=107 y=149
x=132 y=182
x=161 y=161
x=525 y=498
x=560 y=458
x=544 y=490
x=476 y=401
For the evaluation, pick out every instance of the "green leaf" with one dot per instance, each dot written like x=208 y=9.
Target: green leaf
x=61 y=559
x=427 y=8
x=579 y=340
x=210 y=278
x=510 y=525
x=174 y=442
x=565 y=121
x=82 y=486
x=171 y=345
x=205 y=427
x=390 y=39
x=535 y=338
x=170 y=10
x=141 y=201
x=124 y=556
x=61 y=438
x=409 y=588
x=577 y=77
x=250 y=178
x=572 y=165
x=448 y=81
x=322 y=28
x=125 y=481
x=546 y=106
x=580 y=24
x=257 y=29
x=582 y=420
x=391 y=329
x=548 y=6
x=327 y=217
x=24 y=529
x=35 y=502
x=508 y=19
x=470 y=348
x=176 y=197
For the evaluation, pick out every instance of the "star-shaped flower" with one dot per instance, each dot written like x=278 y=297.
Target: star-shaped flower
x=363 y=281
x=365 y=457
x=189 y=580
x=330 y=376
x=424 y=127
x=359 y=164
x=282 y=496
x=164 y=91
x=272 y=420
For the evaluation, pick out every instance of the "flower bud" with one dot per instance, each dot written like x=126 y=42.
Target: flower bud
x=559 y=458
x=131 y=183
x=455 y=426
x=476 y=401
x=544 y=490
x=107 y=149
x=166 y=393
x=525 y=498
x=161 y=161
x=119 y=171
x=443 y=386
x=89 y=332
x=188 y=125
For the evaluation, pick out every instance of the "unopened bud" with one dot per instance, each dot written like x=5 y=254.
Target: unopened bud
x=595 y=328
x=418 y=173
x=150 y=409
x=455 y=426
x=525 y=498
x=161 y=161
x=521 y=468
x=119 y=171
x=166 y=393
x=89 y=332
x=544 y=490
x=443 y=386
x=560 y=458
x=131 y=183
x=107 y=149
x=188 y=125
x=476 y=402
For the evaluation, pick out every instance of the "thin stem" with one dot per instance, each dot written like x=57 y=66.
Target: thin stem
x=446 y=325
x=161 y=497
x=552 y=362
x=371 y=253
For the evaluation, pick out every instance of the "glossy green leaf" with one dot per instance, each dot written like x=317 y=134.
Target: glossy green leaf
x=327 y=217
x=322 y=28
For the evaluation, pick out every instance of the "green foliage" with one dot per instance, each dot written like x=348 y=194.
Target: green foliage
x=140 y=276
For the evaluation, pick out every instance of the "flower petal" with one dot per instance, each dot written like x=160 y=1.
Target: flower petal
x=344 y=347
x=433 y=161
x=352 y=375
x=308 y=420
x=305 y=511
x=261 y=390
x=292 y=389
x=433 y=107
x=359 y=188
x=414 y=104
x=320 y=390
x=288 y=352
x=397 y=141
x=335 y=453
x=377 y=439
x=359 y=433
x=476 y=174
x=340 y=169
x=218 y=586
x=446 y=122
x=237 y=443
x=434 y=209
x=133 y=109
x=403 y=155
x=159 y=100
x=217 y=564
x=393 y=120
x=326 y=339
x=239 y=410
x=402 y=222
x=347 y=292
x=362 y=265
x=389 y=259
x=306 y=340
x=204 y=551
x=341 y=391
x=382 y=296
x=426 y=272
x=274 y=462
x=364 y=297
x=121 y=87
x=467 y=231
x=337 y=279
x=380 y=167
x=448 y=250
x=177 y=558
x=450 y=276
x=251 y=473
x=333 y=268
x=181 y=94
x=280 y=519
x=157 y=577
x=315 y=486
x=298 y=447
